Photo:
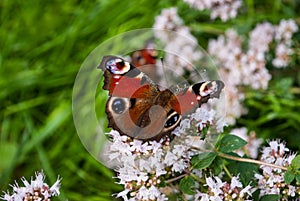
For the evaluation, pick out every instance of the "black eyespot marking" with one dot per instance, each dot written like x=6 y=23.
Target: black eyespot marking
x=118 y=106
x=173 y=119
x=196 y=88
x=132 y=102
x=139 y=57
x=120 y=64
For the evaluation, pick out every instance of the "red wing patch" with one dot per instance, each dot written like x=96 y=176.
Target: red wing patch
x=144 y=57
x=123 y=86
x=124 y=80
x=185 y=102
x=196 y=95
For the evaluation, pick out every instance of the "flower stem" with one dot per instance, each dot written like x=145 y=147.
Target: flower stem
x=176 y=178
x=227 y=171
x=198 y=179
x=248 y=160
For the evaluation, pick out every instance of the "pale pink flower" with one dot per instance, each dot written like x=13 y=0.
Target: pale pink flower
x=271 y=181
x=36 y=187
x=224 y=9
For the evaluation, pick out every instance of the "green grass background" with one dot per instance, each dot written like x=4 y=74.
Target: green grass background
x=42 y=46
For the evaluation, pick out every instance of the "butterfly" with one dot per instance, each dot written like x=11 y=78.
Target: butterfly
x=145 y=56
x=138 y=108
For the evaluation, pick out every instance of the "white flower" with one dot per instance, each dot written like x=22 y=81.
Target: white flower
x=180 y=46
x=155 y=146
x=150 y=194
x=288 y=159
x=239 y=66
x=235 y=182
x=136 y=145
x=54 y=189
x=179 y=166
x=123 y=194
x=283 y=54
x=203 y=196
x=203 y=115
x=168 y=19
x=153 y=193
x=142 y=176
x=142 y=193
x=36 y=187
x=179 y=150
x=118 y=147
x=215 y=184
x=292 y=191
x=247 y=190
x=261 y=36
x=184 y=124
x=143 y=165
x=275 y=149
x=285 y=30
x=219 y=190
x=225 y=9
x=283 y=35
x=272 y=179
x=170 y=158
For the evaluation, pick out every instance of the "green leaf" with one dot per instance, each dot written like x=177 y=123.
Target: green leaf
x=298 y=178
x=255 y=195
x=216 y=166
x=296 y=164
x=186 y=185
x=283 y=86
x=270 y=198
x=203 y=160
x=288 y=177
x=230 y=143
x=246 y=171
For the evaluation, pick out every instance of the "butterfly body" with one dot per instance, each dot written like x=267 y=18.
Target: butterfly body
x=139 y=109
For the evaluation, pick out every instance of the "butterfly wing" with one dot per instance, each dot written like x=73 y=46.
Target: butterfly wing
x=124 y=80
x=145 y=56
x=137 y=108
x=130 y=108
x=190 y=97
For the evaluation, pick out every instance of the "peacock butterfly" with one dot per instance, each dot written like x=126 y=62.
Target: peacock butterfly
x=138 y=108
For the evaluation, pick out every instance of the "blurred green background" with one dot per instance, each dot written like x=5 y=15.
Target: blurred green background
x=42 y=46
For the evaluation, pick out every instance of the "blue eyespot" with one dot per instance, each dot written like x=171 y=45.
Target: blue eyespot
x=118 y=106
x=172 y=120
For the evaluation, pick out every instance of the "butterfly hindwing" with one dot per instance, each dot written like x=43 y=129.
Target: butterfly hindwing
x=191 y=97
